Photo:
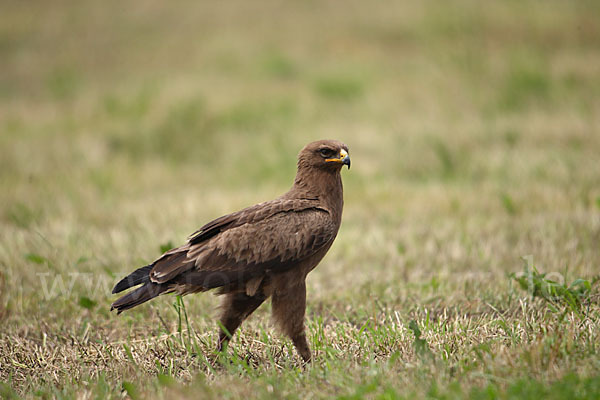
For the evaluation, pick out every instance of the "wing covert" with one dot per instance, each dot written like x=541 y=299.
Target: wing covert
x=282 y=238
x=246 y=244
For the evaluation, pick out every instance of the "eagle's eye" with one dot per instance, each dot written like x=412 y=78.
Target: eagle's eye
x=327 y=152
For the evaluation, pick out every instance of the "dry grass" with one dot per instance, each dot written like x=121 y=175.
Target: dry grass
x=475 y=139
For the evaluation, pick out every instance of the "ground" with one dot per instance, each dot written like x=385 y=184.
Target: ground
x=474 y=132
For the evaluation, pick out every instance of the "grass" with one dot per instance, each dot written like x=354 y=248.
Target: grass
x=474 y=136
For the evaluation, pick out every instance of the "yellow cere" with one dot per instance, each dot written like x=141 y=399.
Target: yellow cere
x=343 y=153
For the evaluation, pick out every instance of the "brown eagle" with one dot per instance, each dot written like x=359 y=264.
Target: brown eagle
x=262 y=251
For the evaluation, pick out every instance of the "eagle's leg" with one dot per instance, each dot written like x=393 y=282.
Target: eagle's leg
x=288 y=312
x=236 y=308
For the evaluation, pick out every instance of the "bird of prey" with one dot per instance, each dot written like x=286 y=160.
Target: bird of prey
x=262 y=251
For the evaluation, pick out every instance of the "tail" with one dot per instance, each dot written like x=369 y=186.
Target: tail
x=140 y=295
x=147 y=291
x=137 y=277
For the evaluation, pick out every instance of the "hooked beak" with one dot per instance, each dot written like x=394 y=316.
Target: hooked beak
x=344 y=158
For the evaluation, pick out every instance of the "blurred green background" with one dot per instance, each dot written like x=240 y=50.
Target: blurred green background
x=473 y=127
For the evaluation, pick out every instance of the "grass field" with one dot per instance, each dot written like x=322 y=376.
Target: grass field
x=474 y=131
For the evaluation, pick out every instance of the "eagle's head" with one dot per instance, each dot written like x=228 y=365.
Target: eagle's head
x=324 y=154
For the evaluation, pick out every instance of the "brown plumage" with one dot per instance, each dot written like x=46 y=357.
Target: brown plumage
x=262 y=251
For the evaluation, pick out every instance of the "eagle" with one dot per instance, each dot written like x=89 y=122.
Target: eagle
x=263 y=251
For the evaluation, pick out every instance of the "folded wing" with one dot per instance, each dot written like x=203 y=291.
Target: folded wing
x=268 y=237
x=245 y=250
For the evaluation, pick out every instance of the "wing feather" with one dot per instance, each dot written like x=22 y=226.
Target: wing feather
x=272 y=236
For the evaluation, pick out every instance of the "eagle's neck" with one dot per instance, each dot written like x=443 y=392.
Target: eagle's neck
x=322 y=184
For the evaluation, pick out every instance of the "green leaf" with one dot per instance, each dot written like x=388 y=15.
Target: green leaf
x=166 y=247
x=420 y=344
x=131 y=390
x=554 y=293
x=86 y=302
x=414 y=327
x=36 y=258
x=581 y=283
x=165 y=380
x=508 y=203
x=128 y=352
x=81 y=260
x=6 y=392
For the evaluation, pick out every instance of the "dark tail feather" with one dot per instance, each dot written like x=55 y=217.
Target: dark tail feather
x=137 y=277
x=138 y=296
